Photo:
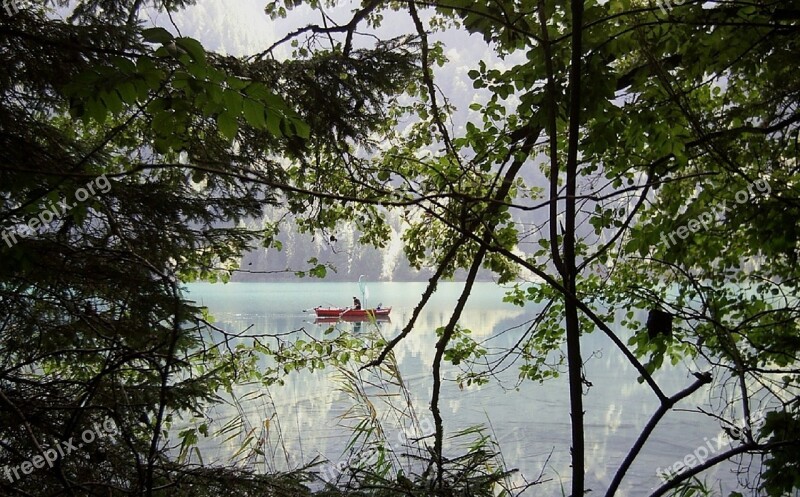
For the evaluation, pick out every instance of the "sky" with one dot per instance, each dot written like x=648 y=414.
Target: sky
x=241 y=28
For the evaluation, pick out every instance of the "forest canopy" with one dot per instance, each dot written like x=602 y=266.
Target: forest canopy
x=648 y=152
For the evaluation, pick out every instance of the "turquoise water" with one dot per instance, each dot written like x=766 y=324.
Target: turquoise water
x=307 y=418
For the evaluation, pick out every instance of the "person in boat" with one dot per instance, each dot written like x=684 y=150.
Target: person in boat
x=356 y=304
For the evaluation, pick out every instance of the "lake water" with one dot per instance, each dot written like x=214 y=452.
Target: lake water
x=307 y=417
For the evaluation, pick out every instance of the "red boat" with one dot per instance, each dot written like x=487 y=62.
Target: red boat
x=352 y=314
x=346 y=319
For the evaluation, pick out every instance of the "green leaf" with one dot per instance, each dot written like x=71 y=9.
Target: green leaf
x=257 y=91
x=96 y=111
x=254 y=113
x=193 y=48
x=274 y=123
x=233 y=102
x=319 y=271
x=125 y=66
x=127 y=92
x=112 y=102
x=228 y=125
x=303 y=130
x=157 y=35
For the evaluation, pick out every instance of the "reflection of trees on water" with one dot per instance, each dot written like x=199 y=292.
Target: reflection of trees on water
x=309 y=405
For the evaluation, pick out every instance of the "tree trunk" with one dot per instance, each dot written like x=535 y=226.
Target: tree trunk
x=574 y=361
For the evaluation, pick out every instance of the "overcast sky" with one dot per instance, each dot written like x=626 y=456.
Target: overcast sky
x=242 y=27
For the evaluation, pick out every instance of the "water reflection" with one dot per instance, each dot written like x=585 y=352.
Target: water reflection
x=304 y=419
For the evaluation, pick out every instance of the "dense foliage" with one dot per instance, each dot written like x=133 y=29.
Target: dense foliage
x=654 y=147
x=120 y=180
